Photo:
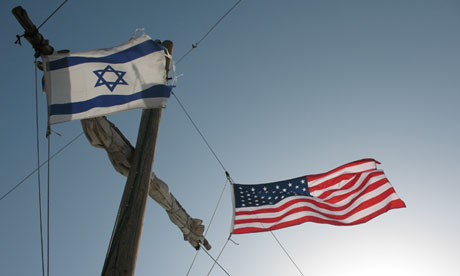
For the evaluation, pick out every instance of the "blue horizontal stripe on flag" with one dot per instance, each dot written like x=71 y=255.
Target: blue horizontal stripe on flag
x=157 y=91
x=137 y=51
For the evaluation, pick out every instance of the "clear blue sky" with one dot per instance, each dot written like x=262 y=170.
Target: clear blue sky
x=280 y=89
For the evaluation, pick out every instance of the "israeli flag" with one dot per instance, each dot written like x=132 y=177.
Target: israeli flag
x=100 y=82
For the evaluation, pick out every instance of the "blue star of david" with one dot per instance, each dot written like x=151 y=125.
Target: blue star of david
x=110 y=84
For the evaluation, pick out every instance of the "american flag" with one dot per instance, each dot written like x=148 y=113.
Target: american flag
x=350 y=194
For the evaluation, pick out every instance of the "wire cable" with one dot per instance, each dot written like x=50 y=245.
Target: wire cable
x=209 y=225
x=218 y=256
x=285 y=251
x=229 y=180
x=217 y=206
x=228 y=177
x=38 y=175
x=215 y=261
x=42 y=164
x=282 y=247
x=193 y=262
x=51 y=15
x=221 y=164
x=48 y=212
x=199 y=132
x=194 y=46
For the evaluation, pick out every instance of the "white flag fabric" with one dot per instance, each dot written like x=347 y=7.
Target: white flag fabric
x=99 y=82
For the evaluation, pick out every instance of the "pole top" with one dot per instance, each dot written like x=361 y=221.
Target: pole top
x=31 y=33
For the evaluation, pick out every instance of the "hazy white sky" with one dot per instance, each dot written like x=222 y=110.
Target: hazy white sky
x=280 y=89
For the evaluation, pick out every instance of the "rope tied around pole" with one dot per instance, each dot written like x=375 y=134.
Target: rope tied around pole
x=40 y=44
x=18 y=39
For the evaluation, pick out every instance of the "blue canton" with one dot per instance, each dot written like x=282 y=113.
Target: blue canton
x=270 y=193
x=110 y=84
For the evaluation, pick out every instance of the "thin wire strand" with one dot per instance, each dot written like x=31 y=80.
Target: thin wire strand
x=223 y=167
x=285 y=251
x=218 y=256
x=218 y=21
x=38 y=175
x=209 y=225
x=186 y=54
x=229 y=180
x=193 y=262
x=42 y=164
x=198 y=130
x=282 y=247
x=215 y=261
x=215 y=209
x=48 y=212
x=194 y=46
x=51 y=15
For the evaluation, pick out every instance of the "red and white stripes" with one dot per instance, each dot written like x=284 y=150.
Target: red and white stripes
x=350 y=194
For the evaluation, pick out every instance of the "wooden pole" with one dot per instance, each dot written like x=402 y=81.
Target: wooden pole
x=123 y=249
x=31 y=33
x=122 y=255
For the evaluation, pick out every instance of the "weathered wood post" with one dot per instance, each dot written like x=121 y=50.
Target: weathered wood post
x=122 y=255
